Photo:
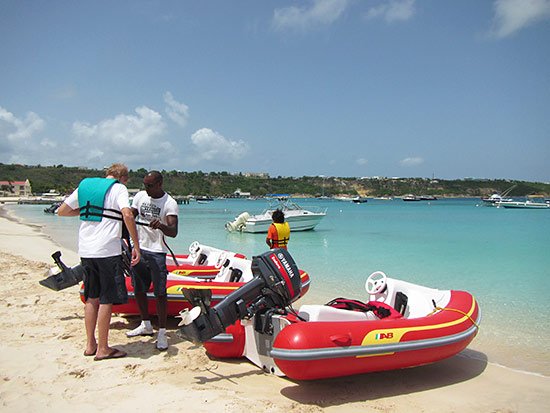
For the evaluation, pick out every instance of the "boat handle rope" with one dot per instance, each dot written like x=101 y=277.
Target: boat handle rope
x=437 y=308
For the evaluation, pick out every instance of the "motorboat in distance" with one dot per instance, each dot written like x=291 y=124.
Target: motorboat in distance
x=496 y=199
x=299 y=219
x=532 y=202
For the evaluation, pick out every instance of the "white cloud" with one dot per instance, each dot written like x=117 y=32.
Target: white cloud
x=362 y=161
x=209 y=145
x=48 y=143
x=320 y=12
x=20 y=129
x=412 y=161
x=392 y=11
x=128 y=138
x=139 y=139
x=128 y=131
x=514 y=15
x=178 y=112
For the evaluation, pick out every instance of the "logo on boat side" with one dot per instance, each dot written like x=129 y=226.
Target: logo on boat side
x=384 y=336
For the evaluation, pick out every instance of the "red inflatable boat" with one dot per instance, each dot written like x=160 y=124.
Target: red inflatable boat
x=403 y=325
x=205 y=268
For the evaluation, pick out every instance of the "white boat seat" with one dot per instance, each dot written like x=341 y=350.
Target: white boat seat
x=317 y=312
x=209 y=256
x=235 y=264
x=419 y=299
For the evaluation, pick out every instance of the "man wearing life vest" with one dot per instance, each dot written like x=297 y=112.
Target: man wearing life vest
x=278 y=233
x=102 y=204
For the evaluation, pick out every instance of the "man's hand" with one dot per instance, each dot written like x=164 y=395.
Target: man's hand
x=136 y=256
x=155 y=224
x=170 y=229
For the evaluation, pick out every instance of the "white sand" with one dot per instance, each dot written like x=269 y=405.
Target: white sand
x=42 y=367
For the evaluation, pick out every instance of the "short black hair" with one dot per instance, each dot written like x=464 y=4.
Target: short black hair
x=156 y=175
x=278 y=216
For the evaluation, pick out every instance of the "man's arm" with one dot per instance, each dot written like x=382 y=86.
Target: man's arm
x=170 y=229
x=130 y=222
x=270 y=236
x=65 y=210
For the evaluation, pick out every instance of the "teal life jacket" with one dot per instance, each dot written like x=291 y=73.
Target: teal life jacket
x=91 y=199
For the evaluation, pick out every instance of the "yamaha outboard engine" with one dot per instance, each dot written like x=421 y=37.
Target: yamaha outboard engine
x=275 y=285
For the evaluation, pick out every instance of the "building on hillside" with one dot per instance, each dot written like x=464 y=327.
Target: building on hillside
x=256 y=174
x=15 y=188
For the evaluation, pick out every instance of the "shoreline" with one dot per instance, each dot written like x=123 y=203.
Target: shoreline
x=514 y=356
x=43 y=366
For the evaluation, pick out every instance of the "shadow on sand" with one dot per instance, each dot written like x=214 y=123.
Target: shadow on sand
x=372 y=386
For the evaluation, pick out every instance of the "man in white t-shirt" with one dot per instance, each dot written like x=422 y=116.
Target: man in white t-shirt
x=160 y=210
x=102 y=204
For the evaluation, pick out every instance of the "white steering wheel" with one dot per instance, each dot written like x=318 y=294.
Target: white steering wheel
x=194 y=248
x=221 y=259
x=376 y=283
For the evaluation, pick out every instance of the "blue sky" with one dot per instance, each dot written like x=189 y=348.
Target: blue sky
x=409 y=88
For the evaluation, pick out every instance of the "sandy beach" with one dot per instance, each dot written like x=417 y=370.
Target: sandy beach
x=43 y=368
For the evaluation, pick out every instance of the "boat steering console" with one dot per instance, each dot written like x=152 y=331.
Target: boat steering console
x=276 y=284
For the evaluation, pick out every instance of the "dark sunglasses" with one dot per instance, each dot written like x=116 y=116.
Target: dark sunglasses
x=151 y=185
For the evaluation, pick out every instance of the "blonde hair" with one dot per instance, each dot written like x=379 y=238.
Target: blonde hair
x=117 y=170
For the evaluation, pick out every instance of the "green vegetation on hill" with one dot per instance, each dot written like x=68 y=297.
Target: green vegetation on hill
x=64 y=179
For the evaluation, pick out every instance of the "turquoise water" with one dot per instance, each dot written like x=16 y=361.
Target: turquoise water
x=502 y=256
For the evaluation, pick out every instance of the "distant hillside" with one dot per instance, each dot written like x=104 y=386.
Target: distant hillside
x=64 y=179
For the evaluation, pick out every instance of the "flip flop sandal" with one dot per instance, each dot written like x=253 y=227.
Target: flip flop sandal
x=114 y=354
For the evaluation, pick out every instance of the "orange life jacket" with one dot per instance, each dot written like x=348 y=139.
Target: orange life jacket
x=283 y=235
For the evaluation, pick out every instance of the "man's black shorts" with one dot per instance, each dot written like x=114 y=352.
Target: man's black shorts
x=104 y=279
x=151 y=268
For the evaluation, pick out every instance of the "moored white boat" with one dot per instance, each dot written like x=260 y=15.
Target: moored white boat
x=410 y=198
x=522 y=205
x=495 y=199
x=299 y=219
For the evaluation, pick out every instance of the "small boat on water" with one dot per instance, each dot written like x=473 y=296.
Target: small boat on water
x=413 y=198
x=299 y=219
x=496 y=198
x=522 y=205
x=359 y=200
x=402 y=325
x=52 y=209
x=204 y=199
x=410 y=198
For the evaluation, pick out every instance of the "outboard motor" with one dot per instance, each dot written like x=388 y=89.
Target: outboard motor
x=239 y=223
x=67 y=277
x=276 y=284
